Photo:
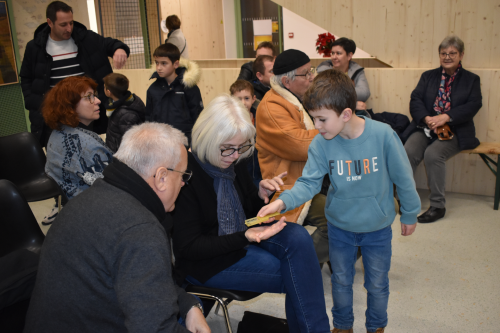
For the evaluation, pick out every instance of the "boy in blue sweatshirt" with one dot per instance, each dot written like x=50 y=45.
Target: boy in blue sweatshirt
x=363 y=159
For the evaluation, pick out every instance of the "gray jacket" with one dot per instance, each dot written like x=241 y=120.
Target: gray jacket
x=105 y=266
x=362 y=88
x=177 y=38
x=76 y=157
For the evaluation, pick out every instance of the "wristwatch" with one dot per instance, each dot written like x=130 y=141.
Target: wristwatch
x=199 y=306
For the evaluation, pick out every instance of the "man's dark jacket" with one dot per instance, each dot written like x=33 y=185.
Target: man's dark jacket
x=122 y=118
x=246 y=72
x=259 y=89
x=105 y=265
x=466 y=100
x=93 y=53
x=178 y=104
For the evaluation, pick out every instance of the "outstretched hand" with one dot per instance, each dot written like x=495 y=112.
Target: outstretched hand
x=269 y=186
x=276 y=206
x=258 y=234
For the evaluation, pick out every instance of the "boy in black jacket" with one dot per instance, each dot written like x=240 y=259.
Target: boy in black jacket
x=124 y=109
x=174 y=98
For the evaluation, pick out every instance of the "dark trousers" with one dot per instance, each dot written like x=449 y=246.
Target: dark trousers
x=435 y=154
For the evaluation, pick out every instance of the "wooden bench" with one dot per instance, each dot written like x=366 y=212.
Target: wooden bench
x=492 y=148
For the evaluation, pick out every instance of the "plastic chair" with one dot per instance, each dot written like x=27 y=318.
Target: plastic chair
x=20 y=242
x=218 y=295
x=18 y=226
x=23 y=163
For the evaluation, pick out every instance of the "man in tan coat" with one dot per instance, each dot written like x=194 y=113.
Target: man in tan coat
x=284 y=132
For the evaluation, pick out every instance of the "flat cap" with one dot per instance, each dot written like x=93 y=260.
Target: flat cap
x=289 y=60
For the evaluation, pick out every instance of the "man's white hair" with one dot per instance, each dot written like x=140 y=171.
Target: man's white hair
x=222 y=119
x=146 y=147
x=276 y=79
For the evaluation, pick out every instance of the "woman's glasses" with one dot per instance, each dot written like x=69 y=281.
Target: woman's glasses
x=230 y=151
x=452 y=55
x=91 y=97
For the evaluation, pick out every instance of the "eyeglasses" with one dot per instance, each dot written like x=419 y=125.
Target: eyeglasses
x=185 y=175
x=310 y=73
x=452 y=55
x=230 y=151
x=91 y=97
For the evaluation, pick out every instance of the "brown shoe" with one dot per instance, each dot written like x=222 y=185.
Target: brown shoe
x=379 y=330
x=338 y=330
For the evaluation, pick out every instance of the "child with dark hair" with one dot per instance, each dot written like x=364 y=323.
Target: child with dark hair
x=363 y=159
x=124 y=109
x=243 y=90
x=174 y=98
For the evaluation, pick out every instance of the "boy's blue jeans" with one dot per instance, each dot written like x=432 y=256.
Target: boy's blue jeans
x=285 y=263
x=376 y=252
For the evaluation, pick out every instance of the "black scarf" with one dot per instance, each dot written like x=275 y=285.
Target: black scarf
x=112 y=105
x=121 y=176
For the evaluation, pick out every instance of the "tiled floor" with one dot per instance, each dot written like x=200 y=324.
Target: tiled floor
x=444 y=278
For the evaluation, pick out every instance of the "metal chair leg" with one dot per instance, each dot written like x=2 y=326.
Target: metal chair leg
x=217 y=309
x=221 y=304
x=226 y=302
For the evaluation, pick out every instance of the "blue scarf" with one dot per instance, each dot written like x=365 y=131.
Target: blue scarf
x=229 y=208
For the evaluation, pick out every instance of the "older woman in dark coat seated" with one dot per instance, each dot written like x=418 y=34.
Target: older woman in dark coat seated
x=448 y=95
x=212 y=245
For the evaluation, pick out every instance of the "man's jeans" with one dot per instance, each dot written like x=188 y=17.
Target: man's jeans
x=285 y=263
x=376 y=250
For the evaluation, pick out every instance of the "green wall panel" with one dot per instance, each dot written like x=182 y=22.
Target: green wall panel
x=12 y=117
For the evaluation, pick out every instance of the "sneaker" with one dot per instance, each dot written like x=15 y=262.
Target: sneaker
x=51 y=216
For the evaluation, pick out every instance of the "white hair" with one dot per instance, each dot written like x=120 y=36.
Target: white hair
x=276 y=79
x=146 y=147
x=220 y=121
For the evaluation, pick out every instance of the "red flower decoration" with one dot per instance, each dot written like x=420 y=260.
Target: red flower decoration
x=324 y=44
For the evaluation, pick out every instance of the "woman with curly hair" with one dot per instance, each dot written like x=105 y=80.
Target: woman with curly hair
x=76 y=156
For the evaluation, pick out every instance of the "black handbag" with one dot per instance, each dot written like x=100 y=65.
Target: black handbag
x=257 y=322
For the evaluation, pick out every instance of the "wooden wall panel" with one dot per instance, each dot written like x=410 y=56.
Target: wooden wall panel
x=202 y=25
x=407 y=33
x=29 y=14
x=153 y=27
x=237 y=63
x=390 y=91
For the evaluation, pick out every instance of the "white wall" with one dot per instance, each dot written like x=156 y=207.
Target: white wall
x=229 y=28
x=92 y=16
x=305 y=35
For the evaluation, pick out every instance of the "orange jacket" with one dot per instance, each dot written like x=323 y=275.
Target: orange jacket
x=284 y=132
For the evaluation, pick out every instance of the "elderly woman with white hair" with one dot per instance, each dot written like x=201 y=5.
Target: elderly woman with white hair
x=212 y=245
x=445 y=99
